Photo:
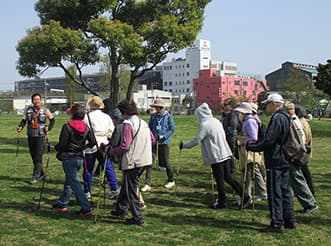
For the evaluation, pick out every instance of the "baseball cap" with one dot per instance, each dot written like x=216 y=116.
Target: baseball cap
x=275 y=97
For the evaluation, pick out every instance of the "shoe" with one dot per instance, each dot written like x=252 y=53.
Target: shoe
x=290 y=225
x=261 y=198
x=142 y=205
x=161 y=169
x=169 y=185
x=86 y=213
x=247 y=202
x=118 y=214
x=113 y=194
x=146 y=188
x=33 y=180
x=59 y=207
x=217 y=205
x=88 y=195
x=309 y=210
x=42 y=178
x=272 y=229
x=131 y=221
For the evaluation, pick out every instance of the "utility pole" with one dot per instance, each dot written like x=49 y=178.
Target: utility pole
x=45 y=92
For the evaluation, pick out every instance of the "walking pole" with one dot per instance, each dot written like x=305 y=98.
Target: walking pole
x=243 y=188
x=177 y=172
x=45 y=172
x=253 y=186
x=16 y=163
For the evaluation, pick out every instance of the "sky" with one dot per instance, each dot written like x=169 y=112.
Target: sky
x=258 y=35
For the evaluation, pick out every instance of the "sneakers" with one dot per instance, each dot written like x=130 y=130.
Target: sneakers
x=261 y=198
x=59 y=207
x=272 y=229
x=217 y=205
x=118 y=214
x=309 y=210
x=132 y=221
x=113 y=194
x=161 y=169
x=86 y=213
x=146 y=188
x=33 y=180
x=88 y=195
x=142 y=205
x=170 y=185
x=290 y=225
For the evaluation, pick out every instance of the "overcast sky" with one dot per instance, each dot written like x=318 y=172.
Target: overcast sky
x=258 y=35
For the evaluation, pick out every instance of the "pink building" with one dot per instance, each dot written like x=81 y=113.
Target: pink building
x=213 y=88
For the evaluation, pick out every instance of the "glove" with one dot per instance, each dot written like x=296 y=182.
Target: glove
x=50 y=148
x=181 y=145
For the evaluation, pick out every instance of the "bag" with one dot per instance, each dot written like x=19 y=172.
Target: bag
x=295 y=151
x=261 y=131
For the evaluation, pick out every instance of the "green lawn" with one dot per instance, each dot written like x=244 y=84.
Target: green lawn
x=173 y=218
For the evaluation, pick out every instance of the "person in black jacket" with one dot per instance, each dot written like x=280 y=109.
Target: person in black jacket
x=72 y=142
x=280 y=199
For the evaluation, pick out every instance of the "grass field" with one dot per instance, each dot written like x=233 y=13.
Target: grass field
x=181 y=218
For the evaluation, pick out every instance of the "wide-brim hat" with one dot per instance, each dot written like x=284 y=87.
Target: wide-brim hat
x=275 y=97
x=289 y=106
x=244 y=108
x=254 y=107
x=95 y=102
x=158 y=102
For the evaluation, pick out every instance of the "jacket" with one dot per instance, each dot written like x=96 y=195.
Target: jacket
x=72 y=140
x=230 y=124
x=162 y=125
x=275 y=137
x=214 y=147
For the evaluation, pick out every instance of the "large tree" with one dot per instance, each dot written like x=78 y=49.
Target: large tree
x=137 y=33
x=323 y=78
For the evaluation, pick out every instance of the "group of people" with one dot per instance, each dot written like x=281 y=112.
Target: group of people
x=99 y=135
x=122 y=137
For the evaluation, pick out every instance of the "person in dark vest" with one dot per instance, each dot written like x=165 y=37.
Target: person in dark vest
x=36 y=116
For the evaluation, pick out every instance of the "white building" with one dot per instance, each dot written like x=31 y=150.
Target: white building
x=178 y=74
x=144 y=98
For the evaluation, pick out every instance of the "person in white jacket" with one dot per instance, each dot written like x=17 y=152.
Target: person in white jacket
x=216 y=153
x=102 y=127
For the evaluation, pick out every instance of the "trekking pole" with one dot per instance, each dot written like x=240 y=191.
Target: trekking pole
x=45 y=172
x=253 y=186
x=177 y=172
x=16 y=163
x=243 y=187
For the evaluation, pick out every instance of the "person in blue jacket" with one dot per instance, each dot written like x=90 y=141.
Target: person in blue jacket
x=162 y=126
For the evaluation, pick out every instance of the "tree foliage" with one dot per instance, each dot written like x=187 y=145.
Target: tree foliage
x=137 y=33
x=298 y=85
x=323 y=78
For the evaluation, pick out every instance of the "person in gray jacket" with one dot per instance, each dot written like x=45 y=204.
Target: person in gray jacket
x=216 y=153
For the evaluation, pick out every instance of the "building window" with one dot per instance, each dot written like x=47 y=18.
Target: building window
x=236 y=92
x=187 y=65
x=187 y=90
x=237 y=82
x=187 y=82
x=245 y=83
x=170 y=83
x=165 y=83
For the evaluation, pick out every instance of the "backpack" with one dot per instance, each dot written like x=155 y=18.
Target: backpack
x=294 y=150
x=261 y=131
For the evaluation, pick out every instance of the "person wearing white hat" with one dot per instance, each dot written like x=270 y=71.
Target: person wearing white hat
x=250 y=161
x=280 y=198
x=102 y=127
x=162 y=126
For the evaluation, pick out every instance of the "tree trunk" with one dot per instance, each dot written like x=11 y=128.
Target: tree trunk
x=114 y=80
x=130 y=86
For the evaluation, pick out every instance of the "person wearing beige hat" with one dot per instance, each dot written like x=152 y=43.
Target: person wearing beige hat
x=250 y=161
x=102 y=127
x=162 y=126
x=298 y=181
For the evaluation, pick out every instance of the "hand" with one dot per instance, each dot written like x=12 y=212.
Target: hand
x=19 y=129
x=50 y=148
x=159 y=138
x=46 y=129
x=181 y=145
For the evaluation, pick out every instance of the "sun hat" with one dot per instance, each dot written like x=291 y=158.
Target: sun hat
x=275 y=97
x=254 y=107
x=158 y=102
x=289 y=106
x=95 y=102
x=244 y=108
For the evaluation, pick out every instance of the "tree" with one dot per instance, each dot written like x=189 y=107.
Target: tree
x=137 y=33
x=298 y=85
x=323 y=78
x=71 y=85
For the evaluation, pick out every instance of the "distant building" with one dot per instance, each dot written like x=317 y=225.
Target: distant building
x=46 y=84
x=276 y=78
x=152 y=79
x=212 y=87
x=20 y=103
